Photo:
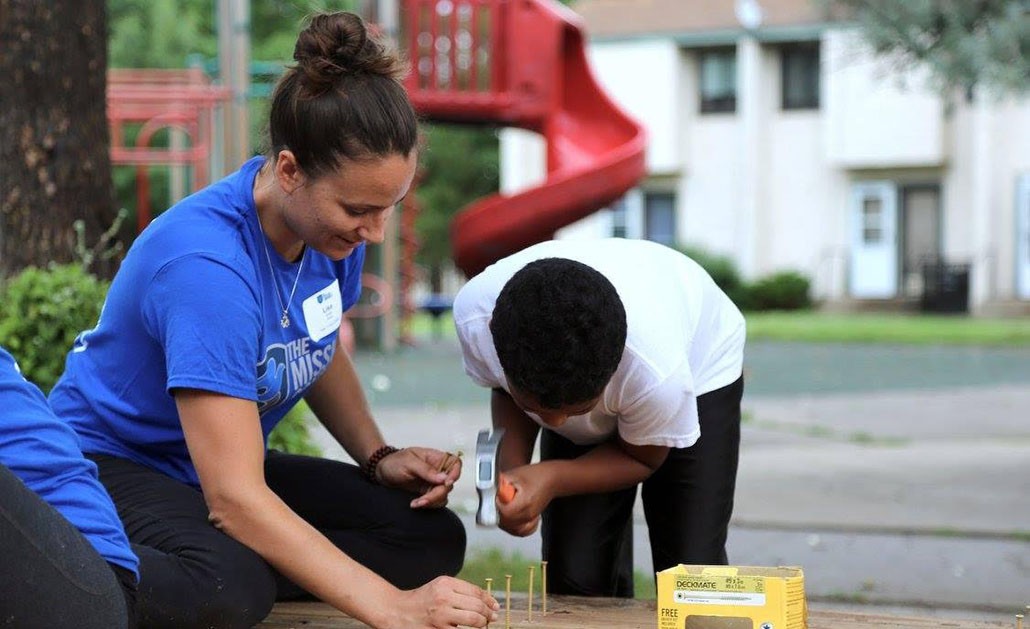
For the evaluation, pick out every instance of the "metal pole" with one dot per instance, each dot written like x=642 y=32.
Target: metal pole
x=385 y=15
x=388 y=18
x=234 y=72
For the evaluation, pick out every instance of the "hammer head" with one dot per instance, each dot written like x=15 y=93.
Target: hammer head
x=487 y=475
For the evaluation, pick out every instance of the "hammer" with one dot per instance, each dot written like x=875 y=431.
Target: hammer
x=490 y=484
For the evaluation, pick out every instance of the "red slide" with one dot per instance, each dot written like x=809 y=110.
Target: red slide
x=521 y=63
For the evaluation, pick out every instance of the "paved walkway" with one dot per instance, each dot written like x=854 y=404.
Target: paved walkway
x=895 y=476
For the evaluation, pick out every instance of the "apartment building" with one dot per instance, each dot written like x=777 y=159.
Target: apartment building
x=777 y=139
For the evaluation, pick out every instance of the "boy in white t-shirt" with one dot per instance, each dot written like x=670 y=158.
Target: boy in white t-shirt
x=630 y=357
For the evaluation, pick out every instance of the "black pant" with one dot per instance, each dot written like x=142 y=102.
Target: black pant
x=588 y=539
x=193 y=575
x=50 y=575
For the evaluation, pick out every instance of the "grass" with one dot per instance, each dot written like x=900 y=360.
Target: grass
x=824 y=432
x=495 y=564
x=887 y=328
x=818 y=327
x=423 y=326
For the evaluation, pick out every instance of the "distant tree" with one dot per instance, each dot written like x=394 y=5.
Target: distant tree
x=459 y=165
x=274 y=24
x=54 y=163
x=164 y=33
x=160 y=33
x=963 y=43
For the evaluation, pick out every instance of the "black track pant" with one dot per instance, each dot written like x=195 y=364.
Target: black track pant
x=193 y=575
x=588 y=539
x=50 y=576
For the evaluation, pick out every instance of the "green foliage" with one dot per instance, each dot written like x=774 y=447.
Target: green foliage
x=721 y=268
x=786 y=290
x=107 y=245
x=459 y=165
x=41 y=313
x=822 y=327
x=962 y=43
x=274 y=24
x=292 y=435
x=159 y=33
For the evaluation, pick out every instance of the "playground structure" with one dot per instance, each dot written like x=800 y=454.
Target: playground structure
x=181 y=100
x=519 y=63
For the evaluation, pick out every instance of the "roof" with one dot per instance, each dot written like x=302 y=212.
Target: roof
x=609 y=19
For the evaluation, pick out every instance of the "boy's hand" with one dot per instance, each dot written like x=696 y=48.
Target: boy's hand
x=521 y=515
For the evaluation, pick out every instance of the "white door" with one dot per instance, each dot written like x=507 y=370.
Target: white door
x=874 y=245
x=1023 y=237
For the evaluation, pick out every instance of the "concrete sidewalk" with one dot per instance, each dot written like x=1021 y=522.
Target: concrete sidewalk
x=915 y=493
x=878 y=499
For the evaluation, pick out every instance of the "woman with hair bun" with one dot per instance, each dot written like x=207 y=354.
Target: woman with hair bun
x=224 y=314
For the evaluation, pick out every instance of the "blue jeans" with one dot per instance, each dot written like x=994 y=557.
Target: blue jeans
x=50 y=576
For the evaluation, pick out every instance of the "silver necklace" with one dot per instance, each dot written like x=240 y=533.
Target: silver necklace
x=285 y=319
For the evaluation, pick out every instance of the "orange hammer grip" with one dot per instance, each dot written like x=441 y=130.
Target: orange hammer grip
x=505 y=490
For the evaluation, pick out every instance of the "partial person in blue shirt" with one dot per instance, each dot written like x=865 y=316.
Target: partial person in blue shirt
x=66 y=559
x=224 y=314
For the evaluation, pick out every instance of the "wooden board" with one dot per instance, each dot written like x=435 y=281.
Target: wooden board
x=567 y=612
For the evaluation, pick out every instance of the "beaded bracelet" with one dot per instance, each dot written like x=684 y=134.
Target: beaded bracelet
x=368 y=470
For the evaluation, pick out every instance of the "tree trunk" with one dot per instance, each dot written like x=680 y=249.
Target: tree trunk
x=55 y=165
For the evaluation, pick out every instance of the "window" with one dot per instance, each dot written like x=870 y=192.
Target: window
x=618 y=210
x=799 y=66
x=872 y=230
x=660 y=217
x=718 y=80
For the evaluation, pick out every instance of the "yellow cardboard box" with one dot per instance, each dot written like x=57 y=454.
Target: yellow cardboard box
x=731 y=597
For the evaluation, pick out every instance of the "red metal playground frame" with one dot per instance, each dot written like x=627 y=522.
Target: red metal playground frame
x=521 y=63
x=184 y=100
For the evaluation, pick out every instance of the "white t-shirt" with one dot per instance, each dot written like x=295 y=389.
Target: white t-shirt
x=685 y=338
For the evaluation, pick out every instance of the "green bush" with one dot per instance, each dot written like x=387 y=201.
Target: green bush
x=291 y=434
x=723 y=271
x=41 y=313
x=721 y=268
x=786 y=290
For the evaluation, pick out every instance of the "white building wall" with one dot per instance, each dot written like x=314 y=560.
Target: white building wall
x=990 y=151
x=801 y=165
x=877 y=119
x=805 y=208
x=643 y=77
x=523 y=158
x=1010 y=139
x=711 y=191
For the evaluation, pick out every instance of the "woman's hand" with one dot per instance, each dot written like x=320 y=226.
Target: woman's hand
x=443 y=602
x=521 y=516
x=431 y=473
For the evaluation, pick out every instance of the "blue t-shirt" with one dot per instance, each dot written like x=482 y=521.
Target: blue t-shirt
x=43 y=452
x=196 y=305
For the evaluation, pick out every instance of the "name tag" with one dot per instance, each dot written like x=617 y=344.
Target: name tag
x=323 y=311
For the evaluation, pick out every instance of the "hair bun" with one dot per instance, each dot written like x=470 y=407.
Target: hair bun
x=339 y=44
